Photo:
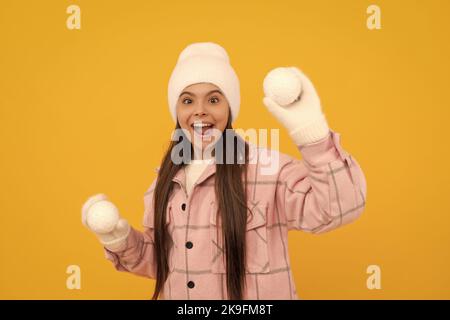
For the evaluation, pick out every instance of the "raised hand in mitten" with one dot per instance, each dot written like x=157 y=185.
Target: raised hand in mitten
x=292 y=99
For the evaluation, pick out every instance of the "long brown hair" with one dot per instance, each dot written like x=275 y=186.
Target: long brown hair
x=231 y=196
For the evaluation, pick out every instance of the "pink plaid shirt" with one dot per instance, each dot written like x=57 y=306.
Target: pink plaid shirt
x=321 y=192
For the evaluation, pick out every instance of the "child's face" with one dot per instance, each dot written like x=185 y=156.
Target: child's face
x=203 y=104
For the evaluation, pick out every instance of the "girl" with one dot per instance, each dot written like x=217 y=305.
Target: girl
x=217 y=229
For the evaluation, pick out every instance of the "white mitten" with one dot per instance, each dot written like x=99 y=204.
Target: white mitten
x=291 y=98
x=102 y=217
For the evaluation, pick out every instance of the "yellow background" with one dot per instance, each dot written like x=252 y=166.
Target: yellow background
x=85 y=111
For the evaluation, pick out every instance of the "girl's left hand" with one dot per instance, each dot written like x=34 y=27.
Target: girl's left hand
x=303 y=118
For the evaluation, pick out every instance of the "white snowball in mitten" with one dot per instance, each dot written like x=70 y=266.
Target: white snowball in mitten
x=102 y=217
x=292 y=99
x=282 y=85
x=89 y=202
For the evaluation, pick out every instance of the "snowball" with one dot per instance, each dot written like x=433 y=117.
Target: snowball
x=102 y=217
x=282 y=85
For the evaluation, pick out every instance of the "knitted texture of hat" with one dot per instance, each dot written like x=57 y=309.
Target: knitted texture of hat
x=204 y=62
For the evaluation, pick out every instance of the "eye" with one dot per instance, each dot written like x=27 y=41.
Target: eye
x=214 y=100
x=187 y=101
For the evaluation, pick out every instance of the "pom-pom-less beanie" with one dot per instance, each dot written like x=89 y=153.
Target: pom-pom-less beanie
x=204 y=62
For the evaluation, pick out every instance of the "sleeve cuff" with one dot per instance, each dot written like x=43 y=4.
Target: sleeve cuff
x=323 y=151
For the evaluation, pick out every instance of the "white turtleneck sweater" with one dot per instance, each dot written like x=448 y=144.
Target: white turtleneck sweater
x=193 y=171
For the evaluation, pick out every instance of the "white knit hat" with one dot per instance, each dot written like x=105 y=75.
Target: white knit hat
x=204 y=62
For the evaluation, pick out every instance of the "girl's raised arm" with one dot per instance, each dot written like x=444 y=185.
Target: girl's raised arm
x=328 y=188
x=325 y=190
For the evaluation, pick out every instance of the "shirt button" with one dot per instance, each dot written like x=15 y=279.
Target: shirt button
x=183 y=206
x=189 y=245
x=191 y=284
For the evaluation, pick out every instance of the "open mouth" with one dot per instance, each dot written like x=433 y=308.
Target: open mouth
x=202 y=129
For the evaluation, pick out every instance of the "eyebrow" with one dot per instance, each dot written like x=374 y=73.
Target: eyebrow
x=192 y=94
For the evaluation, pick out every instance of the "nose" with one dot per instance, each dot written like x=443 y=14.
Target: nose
x=200 y=110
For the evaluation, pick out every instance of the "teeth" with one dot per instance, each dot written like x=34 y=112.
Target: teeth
x=201 y=125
